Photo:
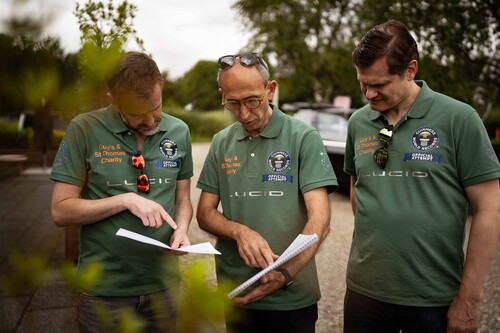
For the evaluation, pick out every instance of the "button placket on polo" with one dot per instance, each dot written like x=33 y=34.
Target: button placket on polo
x=253 y=163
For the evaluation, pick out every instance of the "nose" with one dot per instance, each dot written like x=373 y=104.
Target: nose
x=370 y=92
x=244 y=112
x=149 y=119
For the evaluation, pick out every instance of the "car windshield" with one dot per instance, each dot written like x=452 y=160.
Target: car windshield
x=332 y=126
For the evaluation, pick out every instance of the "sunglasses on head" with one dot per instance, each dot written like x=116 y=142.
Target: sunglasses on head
x=381 y=155
x=246 y=59
x=139 y=163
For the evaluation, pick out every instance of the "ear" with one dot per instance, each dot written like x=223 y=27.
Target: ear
x=271 y=86
x=411 y=71
x=222 y=97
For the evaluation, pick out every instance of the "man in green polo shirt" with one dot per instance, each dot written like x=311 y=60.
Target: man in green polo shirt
x=126 y=166
x=272 y=176
x=417 y=159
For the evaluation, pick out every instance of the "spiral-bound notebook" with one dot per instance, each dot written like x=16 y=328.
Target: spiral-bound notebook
x=300 y=243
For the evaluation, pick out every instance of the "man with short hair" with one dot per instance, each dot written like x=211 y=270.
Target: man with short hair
x=417 y=159
x=272 y=176
x=126 y=166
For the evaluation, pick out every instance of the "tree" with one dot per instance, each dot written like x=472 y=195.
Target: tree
x=106 y=31
x=25 y=55
x=105 y=25
x=456 y=38
x=306 y=40
x=310 y=41
x=448 y=31
x=199 y=86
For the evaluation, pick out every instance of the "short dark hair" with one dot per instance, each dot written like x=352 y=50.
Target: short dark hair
x=136 y=73
x=391 y=39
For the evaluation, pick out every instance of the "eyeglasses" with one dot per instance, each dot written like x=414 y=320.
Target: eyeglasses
x=250 y=103
x=381 y=155
x=246 y=59
x=139 y=163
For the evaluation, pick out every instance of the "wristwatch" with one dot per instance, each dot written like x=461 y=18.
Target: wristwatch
x=288 y=277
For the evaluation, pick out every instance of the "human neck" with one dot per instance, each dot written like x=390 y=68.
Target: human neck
x=140 y=138
x=394 y=115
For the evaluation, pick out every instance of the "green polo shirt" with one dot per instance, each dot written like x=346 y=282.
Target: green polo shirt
x=408 y=239
x=95 y=154
x=261 y=181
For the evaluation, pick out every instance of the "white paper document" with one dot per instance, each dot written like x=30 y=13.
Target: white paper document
x=300 y=243
x=203 y=248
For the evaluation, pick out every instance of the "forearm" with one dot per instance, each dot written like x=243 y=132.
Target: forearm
x=463 y=314
x=484 y=199
x=213 y=222
x=352 y=194
x=481 y=249
x=76 y=211
x=318 y=223
x=183 y=214
x=321 y=228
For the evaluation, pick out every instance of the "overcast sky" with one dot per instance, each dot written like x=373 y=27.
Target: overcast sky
x=178 y=33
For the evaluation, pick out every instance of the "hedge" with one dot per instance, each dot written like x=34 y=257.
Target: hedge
x=12 y=138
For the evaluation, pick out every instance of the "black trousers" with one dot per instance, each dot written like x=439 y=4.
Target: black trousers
x=240 y=320
x=363 y=314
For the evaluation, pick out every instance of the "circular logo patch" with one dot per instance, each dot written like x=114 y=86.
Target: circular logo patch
x=169 y=148
x=278 y=161
x=425 y=138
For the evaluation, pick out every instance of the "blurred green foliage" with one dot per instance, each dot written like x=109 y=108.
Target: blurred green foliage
x=203 y=125
x=28 y=272
x=82 y=278
x=107 y=25
x=201 y=305
x=198 y=87
x=12 y=137
x=309 y=43
x=492 y=123
x=496 y=147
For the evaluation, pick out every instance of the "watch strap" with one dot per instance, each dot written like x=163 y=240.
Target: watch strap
x=287 y=276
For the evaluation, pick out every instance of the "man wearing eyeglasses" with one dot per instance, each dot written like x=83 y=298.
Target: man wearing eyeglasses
x=126 y=166
x=272 y=176
x=417 y=159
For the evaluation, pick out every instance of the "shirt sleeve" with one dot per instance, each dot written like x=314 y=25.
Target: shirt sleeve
x=70 y=164
x=315 y=167
x=476 y=158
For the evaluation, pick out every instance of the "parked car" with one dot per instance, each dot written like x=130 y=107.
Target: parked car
x=332 y=125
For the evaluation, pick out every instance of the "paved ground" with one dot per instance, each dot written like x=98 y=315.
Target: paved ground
x=26 y=228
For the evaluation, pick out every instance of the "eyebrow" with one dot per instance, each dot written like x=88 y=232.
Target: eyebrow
x=373 y=83
x=237 y=100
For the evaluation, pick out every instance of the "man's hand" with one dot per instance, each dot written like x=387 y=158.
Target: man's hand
x=151 y=213
x=463 y=316
x=179 y=239
x=268 y=284
x=254 y=249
